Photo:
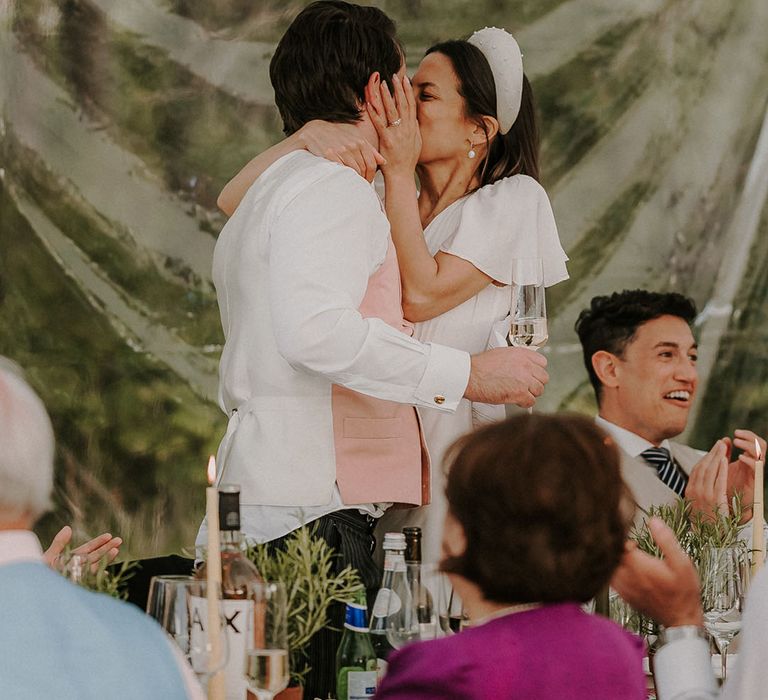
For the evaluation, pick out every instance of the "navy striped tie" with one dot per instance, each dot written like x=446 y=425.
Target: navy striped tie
x=669 y=472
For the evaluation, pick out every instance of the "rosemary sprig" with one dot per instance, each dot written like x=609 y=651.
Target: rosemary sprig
x=305 y=566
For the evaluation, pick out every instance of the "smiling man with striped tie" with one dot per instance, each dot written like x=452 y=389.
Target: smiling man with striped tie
x=640 y=354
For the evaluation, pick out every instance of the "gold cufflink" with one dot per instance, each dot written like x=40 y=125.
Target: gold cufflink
x=439 y=399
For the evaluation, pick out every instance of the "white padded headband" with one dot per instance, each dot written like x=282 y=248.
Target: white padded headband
x=503 y=54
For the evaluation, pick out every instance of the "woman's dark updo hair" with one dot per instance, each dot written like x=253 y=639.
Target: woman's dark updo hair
x=513 y=153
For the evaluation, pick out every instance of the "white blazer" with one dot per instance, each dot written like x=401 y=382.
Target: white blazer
x=291 y=268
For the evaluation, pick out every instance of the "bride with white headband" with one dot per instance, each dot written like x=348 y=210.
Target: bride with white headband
x=467 y=127
x=480 y=208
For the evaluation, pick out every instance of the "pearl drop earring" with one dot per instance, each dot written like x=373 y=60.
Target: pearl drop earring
x=471 y=153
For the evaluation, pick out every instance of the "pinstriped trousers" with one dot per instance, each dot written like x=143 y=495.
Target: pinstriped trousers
x=350 y=534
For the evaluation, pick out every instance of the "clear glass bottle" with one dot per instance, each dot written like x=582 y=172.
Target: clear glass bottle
x=425 y=607
x=239 y=578
x=356 y=677
x=393 y=613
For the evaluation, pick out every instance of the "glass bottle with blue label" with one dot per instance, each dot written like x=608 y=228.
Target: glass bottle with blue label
x=356 y=676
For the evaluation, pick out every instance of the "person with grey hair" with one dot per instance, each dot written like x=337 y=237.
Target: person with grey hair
x=47 y=622
x=105 y=546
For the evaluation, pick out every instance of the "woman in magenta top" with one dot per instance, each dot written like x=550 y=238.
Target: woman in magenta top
x=538 y=516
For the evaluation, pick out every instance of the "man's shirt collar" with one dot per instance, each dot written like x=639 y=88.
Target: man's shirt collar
x=628 y=441
x=19 y=546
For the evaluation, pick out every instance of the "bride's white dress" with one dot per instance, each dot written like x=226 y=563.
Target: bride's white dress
x=492 y=228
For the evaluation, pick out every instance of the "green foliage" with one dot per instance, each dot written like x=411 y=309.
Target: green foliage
x=110 y=581
x=306 y=568
x=695 y=533
x=131 y=437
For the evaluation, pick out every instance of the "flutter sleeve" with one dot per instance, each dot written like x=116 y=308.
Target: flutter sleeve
x=503 y=225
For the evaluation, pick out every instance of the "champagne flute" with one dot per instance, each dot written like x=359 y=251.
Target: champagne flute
x=528 y=328
x=528 y=306
x=723 y=582
x=266 y=661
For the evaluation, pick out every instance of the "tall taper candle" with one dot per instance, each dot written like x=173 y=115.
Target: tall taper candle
x=216 y=684
x=758 y=534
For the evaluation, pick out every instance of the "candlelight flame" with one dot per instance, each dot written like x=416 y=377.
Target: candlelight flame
x=211 y=470
x=758 y=450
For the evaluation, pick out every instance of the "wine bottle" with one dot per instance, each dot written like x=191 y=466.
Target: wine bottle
x=239 y=577
x=425 y=608
x=356 y=677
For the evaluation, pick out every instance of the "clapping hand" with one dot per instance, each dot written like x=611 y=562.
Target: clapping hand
x=104 y=546
x=707 y=486
x=665 y=589
x=741 y=472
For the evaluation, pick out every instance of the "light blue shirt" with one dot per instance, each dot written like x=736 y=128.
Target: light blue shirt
x=58 y=640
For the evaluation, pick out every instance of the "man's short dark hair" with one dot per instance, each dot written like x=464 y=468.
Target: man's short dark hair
x=610 y=322
x=543 y=507
x=324 y=60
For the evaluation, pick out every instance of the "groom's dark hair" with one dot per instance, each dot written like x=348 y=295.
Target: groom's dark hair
x=323 y=62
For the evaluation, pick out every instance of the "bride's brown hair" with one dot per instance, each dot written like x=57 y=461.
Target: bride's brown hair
x=513 y=153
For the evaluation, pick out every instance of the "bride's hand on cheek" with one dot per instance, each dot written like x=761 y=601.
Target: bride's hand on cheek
x=394 y=118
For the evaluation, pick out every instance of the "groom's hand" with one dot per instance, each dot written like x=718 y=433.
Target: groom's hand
x=507 y=375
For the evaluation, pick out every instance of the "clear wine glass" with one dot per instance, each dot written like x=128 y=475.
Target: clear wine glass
x=266 y=661
x=403 y=614
x=450 y=608
x=166 y=594
x=723 y=579
x=528 y=306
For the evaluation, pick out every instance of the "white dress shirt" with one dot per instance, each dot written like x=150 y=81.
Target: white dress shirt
x=291 y=268
x=17 y=546
x=630 y=442
x=684 y=672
